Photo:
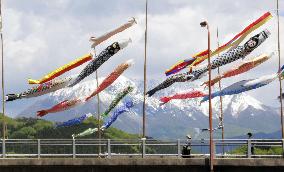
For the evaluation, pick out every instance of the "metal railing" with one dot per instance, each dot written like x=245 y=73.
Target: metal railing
x=72 y=148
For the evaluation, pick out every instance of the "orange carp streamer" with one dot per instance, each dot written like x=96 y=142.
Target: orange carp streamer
x=246 y=66
x=111 y=78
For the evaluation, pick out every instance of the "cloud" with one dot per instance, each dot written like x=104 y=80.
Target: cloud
x=42 y=35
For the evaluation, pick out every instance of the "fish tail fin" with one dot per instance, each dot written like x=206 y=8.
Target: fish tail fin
x=103 y=115
x=281 y=70
x=41 y=113
x=33 y=81
x=151 y=92
x=88 y=98
x=164 y=100
x=205 y=98
x=74 y=82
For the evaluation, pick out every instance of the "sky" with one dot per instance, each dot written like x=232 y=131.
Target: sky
x=41 y=35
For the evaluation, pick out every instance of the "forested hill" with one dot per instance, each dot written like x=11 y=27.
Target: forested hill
x=33 y=128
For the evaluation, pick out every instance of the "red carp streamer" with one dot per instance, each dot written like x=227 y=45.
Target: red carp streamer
x=62 y=106
x=191 y=94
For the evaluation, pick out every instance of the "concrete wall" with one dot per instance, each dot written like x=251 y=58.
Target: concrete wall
x=138 y=165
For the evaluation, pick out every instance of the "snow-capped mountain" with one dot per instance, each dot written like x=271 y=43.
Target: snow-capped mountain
x=242 y=113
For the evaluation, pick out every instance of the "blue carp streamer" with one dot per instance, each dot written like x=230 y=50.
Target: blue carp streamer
x=120 y=110
x=246 y=85
x=74 y=121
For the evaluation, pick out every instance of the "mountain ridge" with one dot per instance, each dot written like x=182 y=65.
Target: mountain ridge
x=174 y=120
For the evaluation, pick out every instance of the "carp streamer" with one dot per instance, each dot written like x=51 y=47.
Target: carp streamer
x=74 y=121
x=111 y=78
x=228 y=57
x=62 y=69
x=191 y=94
x=89 y=131
x=237 y=39
x=97 y=41
x=117 y=99
x=246 y=66
x=101 y=58
x=68 y=104
x=41 y=89
x=64 y=105
x=245 y=85
x=120 y=110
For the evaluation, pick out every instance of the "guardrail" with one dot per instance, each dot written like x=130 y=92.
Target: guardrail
x=73 y=148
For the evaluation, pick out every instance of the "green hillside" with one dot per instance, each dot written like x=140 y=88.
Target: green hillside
x=33 y=128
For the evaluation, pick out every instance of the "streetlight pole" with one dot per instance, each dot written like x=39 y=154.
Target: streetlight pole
x=205 y=24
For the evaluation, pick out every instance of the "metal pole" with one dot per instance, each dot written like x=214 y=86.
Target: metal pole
x=203 y=24
x=178 y=148
x=98 y=108
x=2 y=64
x=221 y=101
x=145 y=63
x=73 y=148
x=99 y=115
x=279 y=66
x=38 y=148
x=143 y=147
x=108 y=149
x=249 y=148
x=3 y=149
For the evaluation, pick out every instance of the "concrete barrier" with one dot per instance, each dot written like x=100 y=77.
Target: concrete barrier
x=139 y=164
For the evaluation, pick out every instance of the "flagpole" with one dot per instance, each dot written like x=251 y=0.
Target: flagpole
x=221 y=100
x=279 y=66
x=99 y=114
x=98 y=107
x=2 y=64
x=205 y=24
x=145 y=65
